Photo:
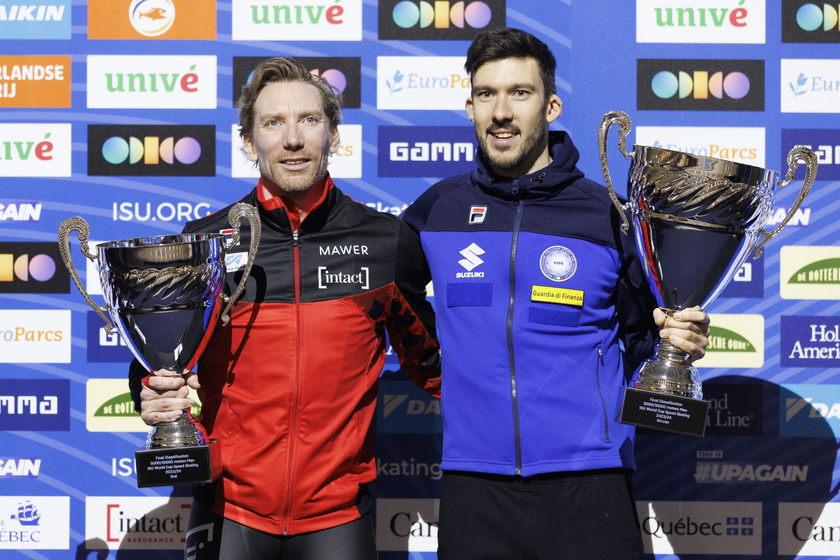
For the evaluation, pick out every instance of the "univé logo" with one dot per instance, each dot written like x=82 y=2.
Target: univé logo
x=700 y=85
x=159 y=150
x=436 y=20
x=810 y=22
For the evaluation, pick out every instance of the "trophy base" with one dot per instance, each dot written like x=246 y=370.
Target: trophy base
x=661 y=411
x=170 y=466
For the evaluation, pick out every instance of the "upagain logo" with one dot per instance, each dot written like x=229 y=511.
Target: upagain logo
x=810 y=272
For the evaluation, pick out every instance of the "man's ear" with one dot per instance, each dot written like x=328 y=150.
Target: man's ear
x=468 y=105
x=554 y=108
x=248 y=149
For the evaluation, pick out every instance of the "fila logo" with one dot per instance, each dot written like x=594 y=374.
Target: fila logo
x=471 y=257
x=477 y=214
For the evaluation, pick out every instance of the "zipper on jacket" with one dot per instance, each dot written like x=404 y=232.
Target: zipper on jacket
x=294 y=410
x=509 y=331
x=601 y=395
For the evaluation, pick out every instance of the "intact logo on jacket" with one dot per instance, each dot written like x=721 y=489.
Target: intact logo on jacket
x=327 y=277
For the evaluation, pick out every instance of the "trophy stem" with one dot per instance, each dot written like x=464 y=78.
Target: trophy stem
x=182 y=432
x=670 y=372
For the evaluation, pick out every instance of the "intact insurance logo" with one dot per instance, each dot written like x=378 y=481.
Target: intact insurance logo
x=38 y=20
x=307 y=20
x=141 y=523
x=425 y=151
x=342 y=73
x=151 y=82
x=32 y=268
x=152 y=19
x=421 y=83
x=437 y=21
x=35 y=82
x=34 y=523
x=716 y=528
x=35 y=336
x=35 y=150
x=38 y=405
x=810 y=272
x=690 y=21
x=809 y=410
x=810 y=85
x=824 y=142
x=699 y=85
x=810 y=22
x=157 y=150
x=735 y=341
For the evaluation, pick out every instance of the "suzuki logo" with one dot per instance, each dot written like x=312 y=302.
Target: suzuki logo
x=471 y=257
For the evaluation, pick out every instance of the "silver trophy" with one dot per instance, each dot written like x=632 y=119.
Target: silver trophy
x=696 y=220
x=164 y=294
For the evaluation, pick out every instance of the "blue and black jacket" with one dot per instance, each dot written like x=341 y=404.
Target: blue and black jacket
x=543 y=313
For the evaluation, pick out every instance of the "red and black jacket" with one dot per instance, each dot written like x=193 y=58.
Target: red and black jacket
x=289 y=386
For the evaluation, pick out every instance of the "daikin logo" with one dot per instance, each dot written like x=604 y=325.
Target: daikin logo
x=31 y=12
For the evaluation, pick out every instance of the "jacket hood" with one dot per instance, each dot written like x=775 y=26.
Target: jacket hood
x=561 y=172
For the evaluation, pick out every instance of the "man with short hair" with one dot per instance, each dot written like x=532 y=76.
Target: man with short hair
x=289 y=386
x=543 y=314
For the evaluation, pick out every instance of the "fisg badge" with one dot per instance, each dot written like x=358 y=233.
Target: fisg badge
x=558 y=263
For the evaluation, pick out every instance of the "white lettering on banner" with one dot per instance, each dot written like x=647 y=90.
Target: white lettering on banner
x=31 y=72
x=343 y=250
x=28 y=404
x=431 y=151
x=31 y=12
x=20 y=467
x=23 y=212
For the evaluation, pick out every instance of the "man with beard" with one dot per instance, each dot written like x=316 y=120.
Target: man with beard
x=288 y=387
x=543 y=314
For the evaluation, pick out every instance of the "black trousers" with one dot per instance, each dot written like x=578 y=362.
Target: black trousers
x=587 y=515
x=212 y=537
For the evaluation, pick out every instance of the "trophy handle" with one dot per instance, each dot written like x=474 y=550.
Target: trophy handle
x=623 y=121
x=797 y=154
x=239 y=211
x=79 y=224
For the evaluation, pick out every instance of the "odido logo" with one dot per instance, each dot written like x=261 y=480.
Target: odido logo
x=159 y=150
x=342 y=73
x=700 y=85
x=32 y=268
x=809 y=22
x=407 y=19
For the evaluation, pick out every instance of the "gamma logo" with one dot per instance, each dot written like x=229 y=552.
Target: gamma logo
x=824 y=142
x=155 y=150
x=438 y=21
x=342 y=73
x=810 y=22
x=700 y=85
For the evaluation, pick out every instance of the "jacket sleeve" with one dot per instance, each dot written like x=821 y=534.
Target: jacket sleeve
x=411 y=326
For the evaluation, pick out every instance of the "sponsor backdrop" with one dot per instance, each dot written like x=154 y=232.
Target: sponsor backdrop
x=121 y=111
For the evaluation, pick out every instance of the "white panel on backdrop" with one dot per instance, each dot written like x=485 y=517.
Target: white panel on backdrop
x=421 y=82
x=34 y=523
x=40 y=336
x=684 y=21
x=744 y=145
x=810 y=85
x=315 y=20
x=35 y=150
x=151 y=82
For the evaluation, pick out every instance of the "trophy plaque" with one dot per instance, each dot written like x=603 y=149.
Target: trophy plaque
x=696 y=219
x=164 y=294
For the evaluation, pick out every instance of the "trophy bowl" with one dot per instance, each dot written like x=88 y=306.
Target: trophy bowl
x=696 y=220
x=164 y=294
